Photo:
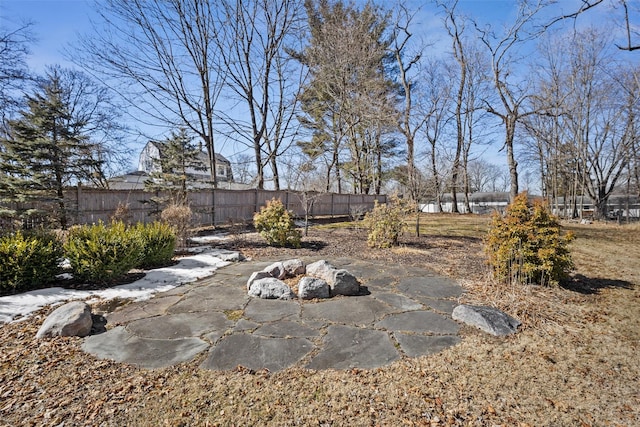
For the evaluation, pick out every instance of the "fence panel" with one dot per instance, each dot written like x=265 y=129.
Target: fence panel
x=210 y=207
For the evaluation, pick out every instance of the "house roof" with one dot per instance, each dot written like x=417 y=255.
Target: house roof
x=202 y=156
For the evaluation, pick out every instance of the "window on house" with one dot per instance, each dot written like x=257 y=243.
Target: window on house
x=221 y=170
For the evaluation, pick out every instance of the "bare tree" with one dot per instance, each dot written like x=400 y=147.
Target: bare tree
x=482 y=175
x=587 y=126
x=14 y=48
x=251 y=37
x=410 y=122
x=476 y=90
x=631 y=30
x=628 y=8
x=455 y=28
x=512 y=96
x=602 y=102
x=437 y=93
x=546 y=145
x=159 y=55
x=242 y=168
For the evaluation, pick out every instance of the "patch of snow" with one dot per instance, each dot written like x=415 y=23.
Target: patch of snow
x=198 y=249
x=203 y=240
x=188 y=269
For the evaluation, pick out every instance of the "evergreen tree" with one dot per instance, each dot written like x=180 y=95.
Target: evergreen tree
x=46 y=149
x=179 y=158
x=349 y=101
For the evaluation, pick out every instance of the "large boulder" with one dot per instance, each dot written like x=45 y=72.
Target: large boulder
x=313 y=287
x=294 y=267
x=276 y=270
x=343 y=283
x=257 y=275
x=270 y=288
x=321 y=269
x=69 y=320
x=489 y=319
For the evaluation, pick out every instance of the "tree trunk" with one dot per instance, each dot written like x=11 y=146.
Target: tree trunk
x=510 y=122
x=436 y=180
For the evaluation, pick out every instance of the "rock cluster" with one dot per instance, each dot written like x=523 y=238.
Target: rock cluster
x=322 y=280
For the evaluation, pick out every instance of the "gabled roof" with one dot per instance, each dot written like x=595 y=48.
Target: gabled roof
x=202 y=156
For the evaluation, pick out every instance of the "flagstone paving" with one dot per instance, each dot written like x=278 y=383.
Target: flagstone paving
x=402 y=312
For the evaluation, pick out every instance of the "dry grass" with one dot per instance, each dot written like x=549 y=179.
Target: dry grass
x=575 y=363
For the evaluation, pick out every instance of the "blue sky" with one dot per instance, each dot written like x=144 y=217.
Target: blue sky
x=57 y=23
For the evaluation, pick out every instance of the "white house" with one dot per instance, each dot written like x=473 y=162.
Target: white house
x=152 y=152
x=480 y=203
x=148 y=162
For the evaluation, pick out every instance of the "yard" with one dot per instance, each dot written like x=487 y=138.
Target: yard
x=574 y=362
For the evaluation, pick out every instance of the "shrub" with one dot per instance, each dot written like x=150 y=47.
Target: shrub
x=178 y=217
x=28 y=262
x=100 y=253
x=122 y=213
x=386 y=223
x=526 y=245
x=158 y=243
x=275 y=224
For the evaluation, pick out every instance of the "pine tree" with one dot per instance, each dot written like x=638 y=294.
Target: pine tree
x=349 y=100
x=179 y=157
x=45 y=150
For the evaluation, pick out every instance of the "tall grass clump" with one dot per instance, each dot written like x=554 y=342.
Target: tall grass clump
x=276 y=225
x=28 y=261
x=527 y=245
x=102 y=253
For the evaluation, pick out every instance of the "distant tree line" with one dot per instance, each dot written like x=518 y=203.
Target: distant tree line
x=333 y=95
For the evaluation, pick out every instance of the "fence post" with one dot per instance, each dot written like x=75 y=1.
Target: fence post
x=213 y=207
x=257 y=208
x=332 y=205
x=78 y=194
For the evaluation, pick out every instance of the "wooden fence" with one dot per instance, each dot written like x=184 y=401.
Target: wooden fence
x=211 y=207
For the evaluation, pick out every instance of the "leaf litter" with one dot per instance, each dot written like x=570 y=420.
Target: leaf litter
x=574 y=363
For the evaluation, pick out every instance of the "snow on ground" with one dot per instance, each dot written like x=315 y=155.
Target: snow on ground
x=210 y=238
x=188 y=269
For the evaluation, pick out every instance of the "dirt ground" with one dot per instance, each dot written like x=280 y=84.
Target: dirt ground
x=574 y=363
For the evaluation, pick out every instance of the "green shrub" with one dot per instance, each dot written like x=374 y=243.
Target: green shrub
x=275 y=224
x=527 y=246
x=385 y=223
x=178 y=217
x=28 y=262
x=100 y=253
x=158 y=243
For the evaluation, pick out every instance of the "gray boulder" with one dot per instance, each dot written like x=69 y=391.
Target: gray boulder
x=276 y=270
x=230 y=256
x=321 y=269
x=343 y=283
x=69 y=320
x=257 y=276
x=294 y=267
x=270 y=288
x=312 y=287
x=489 y=319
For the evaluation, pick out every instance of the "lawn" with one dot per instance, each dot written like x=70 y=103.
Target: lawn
x=575 y=361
